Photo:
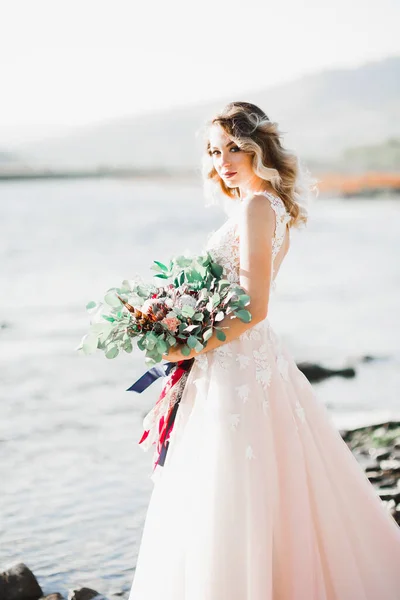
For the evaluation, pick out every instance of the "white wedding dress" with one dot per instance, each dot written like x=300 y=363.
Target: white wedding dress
x=260 y=498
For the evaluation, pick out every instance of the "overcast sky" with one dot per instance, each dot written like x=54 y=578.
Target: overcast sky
x=65 y=64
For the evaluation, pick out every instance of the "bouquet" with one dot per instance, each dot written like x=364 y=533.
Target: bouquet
x=185 y=311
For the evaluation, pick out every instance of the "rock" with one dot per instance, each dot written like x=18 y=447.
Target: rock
x=19 y=583
x=391 y=465
x=55 y=596
x=376 y=447
x=370 y=358
x=85 y=593
x=375 y=476
x=381 y=453
x=367 y=358
x=390 y=494
x=316 y=373
x=388 y=482
x=367 y=462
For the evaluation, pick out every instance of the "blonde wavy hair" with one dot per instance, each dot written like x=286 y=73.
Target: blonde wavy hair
x=250 y=128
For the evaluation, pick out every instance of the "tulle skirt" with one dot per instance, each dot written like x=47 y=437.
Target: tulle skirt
x=260 y=498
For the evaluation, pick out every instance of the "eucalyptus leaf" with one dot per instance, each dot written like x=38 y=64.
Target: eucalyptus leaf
x=106 y=331
x=207 y=334
x=107 y=318
x=220 y=335
x=196 y=275
x=89 y=343
x=112 y=352
x=128 y=346
x=199 y=346
x=91 y=304
x=222 y=283
x=99 y=327
x=142 y=291
x=112 y=300
x=126 y=285
x=149 y=361
x=150 y=335
x=188 y=311
x=244 y=299
x=141 y=343
x=192 y=341
x=185 y=350
x=216 y=270
x=161 y=266
x=219 y=316
x=216 y=299
x=162 y=347
x=243 y=315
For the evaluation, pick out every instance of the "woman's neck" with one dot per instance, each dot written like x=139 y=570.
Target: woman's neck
x=247 y=192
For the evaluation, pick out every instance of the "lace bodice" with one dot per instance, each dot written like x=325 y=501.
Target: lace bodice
x=223 y=243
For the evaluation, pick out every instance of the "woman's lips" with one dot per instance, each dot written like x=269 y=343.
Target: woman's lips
x=230 y=174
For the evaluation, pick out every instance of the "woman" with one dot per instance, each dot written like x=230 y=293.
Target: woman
x=259 y=497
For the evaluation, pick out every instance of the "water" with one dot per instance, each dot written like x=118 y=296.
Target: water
x=75 y=482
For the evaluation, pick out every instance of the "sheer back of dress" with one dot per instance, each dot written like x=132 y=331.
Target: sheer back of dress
x=224 y=243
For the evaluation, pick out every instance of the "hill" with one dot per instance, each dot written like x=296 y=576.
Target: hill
x=320 y=115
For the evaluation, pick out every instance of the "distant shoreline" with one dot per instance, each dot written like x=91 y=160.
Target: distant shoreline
x=343 y=184
x=101 y=173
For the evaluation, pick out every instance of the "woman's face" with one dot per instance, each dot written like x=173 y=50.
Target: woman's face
x=232 y=164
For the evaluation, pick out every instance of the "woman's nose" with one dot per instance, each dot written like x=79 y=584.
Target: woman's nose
x=225 y=159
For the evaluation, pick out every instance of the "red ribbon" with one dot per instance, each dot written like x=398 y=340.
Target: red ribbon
x=167 y=420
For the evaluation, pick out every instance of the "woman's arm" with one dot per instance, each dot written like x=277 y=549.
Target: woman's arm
x=256 y=231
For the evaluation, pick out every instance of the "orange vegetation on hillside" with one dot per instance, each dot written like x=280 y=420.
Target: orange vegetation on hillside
x=355 y=184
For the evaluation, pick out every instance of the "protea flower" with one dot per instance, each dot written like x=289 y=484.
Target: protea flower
x=172 y=323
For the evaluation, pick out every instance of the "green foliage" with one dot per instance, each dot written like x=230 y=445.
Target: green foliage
x=220 y=334
x=115 y=326
x=192 y=341
x=185 y=350
x=243 y=315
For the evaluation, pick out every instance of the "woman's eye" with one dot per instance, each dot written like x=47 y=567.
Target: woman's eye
x=235 y=148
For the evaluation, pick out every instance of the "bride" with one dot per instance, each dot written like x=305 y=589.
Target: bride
x=259 y=497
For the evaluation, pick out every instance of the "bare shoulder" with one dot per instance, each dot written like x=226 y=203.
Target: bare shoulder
x=258 y=213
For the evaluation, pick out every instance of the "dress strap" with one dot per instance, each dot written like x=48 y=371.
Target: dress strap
x=282 y=217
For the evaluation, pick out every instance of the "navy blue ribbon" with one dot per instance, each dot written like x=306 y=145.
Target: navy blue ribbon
x=150 y=376
x=156 y=372
x=147 y=379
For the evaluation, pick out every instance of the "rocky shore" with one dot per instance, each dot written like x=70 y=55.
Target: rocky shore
x=376 y=447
